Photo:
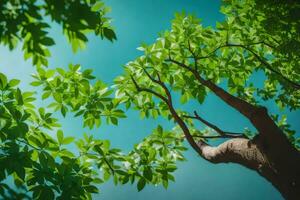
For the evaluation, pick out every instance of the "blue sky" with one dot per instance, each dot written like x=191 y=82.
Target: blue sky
x=136 y=22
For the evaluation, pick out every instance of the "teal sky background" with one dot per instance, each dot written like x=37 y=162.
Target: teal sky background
x=137 y=21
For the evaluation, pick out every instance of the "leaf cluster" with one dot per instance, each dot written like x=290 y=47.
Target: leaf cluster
x=28 y=22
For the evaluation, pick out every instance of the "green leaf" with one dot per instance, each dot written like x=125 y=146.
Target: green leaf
x=66 y=155
x=47 y=41
x=36 y=83
x=121 y=172
x=114 y=120
x=57 y=97
x=13 y=82
x=99 y=150
x=165 y=183
x=19 y=97
x=97 y=6
x=147 y=173
x=98 y=180
x=50 y=73
x=60 y=136
x=106 y=175
x=43 y=160
x=91 y=189
x=171 y=168
x=68 y=140
x=64 y=110
x=109 y=34
x=141 y=184
x=3 y=81
x=184 y=98
x=79 y=113
x=159 y=129
x=46 y=95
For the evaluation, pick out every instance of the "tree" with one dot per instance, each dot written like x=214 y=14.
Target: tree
x=190 y=61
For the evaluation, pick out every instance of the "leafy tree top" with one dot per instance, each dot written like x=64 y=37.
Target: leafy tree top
x=29 y=22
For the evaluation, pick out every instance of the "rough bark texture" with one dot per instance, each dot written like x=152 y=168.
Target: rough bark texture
x=280 y=165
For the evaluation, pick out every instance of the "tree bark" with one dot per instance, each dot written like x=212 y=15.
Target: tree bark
x=269 y=153
x=274 y=158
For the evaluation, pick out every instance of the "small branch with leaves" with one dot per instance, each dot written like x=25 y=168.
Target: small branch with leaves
x=172 y=110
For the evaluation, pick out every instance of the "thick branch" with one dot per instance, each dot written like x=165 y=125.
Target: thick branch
x=229 y=151
x=256 y=114
x=238 y=150
x=242 y=106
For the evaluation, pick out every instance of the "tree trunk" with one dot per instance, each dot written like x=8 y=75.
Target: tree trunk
x=272 y=156
x=269 y=153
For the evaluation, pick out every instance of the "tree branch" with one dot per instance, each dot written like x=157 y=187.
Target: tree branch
x=238 y=150
x=242 y=106
x=222 y=134
x=139 y=89
x=109 y=165
x=258 y=115
x=104 y=158
x=218 y=136
x=267 y=65
x=232 y=150
x=194 y=55
x=230 y=45
x=261 y=60
x=174 y=114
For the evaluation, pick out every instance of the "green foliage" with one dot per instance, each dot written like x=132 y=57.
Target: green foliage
x=28 y=22
x=283 y=20
x=41 y=164
x=231 y=54
x=33 y=157
x=151 y=161
x=71 y=91
x=34 y=149
x=275 y=27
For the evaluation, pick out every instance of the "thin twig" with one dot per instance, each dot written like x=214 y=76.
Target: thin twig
x=222 y=134
x=261 y=60
x=139 y=89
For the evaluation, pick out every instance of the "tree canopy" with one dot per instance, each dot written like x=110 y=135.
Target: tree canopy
x=189 y=61
x=29 y=22
x=230 y=54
